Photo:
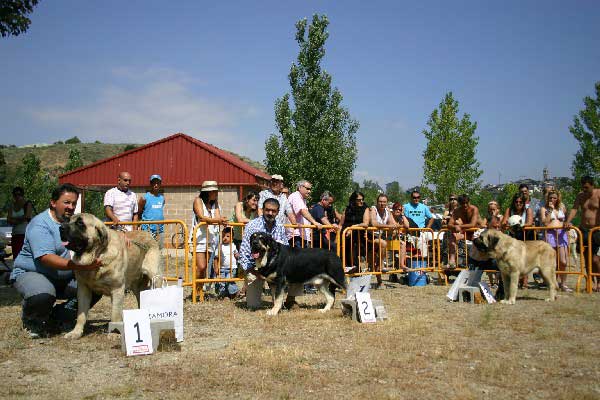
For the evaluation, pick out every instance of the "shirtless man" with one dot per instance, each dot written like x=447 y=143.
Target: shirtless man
x=465 y=216
x=588 y=200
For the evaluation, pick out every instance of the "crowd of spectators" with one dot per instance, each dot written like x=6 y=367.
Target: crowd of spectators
x=43 y=271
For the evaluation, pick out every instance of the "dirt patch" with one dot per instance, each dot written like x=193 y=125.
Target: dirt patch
x=428 y=348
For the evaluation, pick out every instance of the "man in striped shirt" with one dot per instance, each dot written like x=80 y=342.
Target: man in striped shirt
x=254 y=281
x=120 y=203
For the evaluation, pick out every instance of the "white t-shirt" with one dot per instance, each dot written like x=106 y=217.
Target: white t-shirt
x=124 y=204
x=228 y=256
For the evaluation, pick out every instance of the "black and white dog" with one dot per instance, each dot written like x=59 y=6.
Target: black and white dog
x=282 y=265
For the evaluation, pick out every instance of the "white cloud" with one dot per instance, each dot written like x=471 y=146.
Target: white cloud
x=141 y=106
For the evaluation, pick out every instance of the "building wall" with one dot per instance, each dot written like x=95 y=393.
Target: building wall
x=180 y=200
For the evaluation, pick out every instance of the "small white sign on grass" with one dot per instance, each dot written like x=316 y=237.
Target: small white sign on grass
x=138 y=335
x=366 y=311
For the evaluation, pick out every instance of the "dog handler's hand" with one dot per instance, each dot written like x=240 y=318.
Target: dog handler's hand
x=254 y=272
x=126 y=240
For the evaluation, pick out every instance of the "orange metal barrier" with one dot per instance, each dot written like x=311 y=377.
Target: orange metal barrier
x=570 y=268
x=466 y=234
x=215 y=264
x=589 y=258
x=174 y=247
x=316 y=241
x=372 y=247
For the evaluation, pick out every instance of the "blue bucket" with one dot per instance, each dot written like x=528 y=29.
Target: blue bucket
x=417 y=278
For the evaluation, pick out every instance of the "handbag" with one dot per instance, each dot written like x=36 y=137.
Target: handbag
x=165 y=302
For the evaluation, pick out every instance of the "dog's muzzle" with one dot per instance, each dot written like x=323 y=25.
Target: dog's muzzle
x=478 y=243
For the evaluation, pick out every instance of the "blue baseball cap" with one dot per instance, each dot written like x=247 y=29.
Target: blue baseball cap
x=155 y=176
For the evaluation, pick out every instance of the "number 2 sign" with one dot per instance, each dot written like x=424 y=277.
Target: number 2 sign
x=138 y=336
x=366 y=311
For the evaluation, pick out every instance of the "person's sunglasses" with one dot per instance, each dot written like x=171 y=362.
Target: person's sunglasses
x=453 y=198
x=360 y=199
x=416 y=197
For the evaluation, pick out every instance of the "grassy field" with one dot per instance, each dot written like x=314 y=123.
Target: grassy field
x=428 y=348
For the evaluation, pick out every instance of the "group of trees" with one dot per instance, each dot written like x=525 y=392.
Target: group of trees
x=316 y=138
x=39 y=183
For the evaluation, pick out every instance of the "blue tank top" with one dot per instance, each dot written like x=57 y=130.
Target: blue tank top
x=153 y=211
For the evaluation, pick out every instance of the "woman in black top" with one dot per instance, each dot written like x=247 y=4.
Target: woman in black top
x=355 y=214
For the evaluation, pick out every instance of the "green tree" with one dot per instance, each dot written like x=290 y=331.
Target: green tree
x=586 y=129
x=316 y=135
x=13 y=16
x=74 y=161
x=38 y=184
x=3 y=168
x=395 y=192
x=5 y=188
x=505 y=197
x=450 y=163
x=129 y=147
x=73 y=140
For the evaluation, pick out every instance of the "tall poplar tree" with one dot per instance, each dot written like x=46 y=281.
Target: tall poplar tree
x=316 y=136
x=587 y=158
x=450 y=163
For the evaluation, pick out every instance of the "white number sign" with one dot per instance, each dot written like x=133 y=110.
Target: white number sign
x=366 y=311
x=138 y=336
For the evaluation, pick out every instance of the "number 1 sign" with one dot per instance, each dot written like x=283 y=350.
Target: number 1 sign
x=138 y=336
x=365 y=307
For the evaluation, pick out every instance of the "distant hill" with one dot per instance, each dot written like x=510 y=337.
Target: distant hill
x=54 y=157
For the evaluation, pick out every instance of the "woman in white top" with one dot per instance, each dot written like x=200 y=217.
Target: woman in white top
x=552 y=214
x=381 y=217
x=19 y=215
x=206 y=209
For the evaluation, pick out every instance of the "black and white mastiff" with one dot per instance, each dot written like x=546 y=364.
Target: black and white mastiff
x=282 y=265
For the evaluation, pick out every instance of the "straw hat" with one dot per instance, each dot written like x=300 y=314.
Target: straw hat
x=209 y=186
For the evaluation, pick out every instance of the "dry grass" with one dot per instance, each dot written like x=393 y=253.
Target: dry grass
x=427 y=349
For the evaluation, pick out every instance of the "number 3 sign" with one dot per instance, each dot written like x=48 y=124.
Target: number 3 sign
x=138 y=336
x=366 y=311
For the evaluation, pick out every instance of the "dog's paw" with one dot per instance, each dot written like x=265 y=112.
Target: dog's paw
x=549 y=299
x=73 y=335
x=323 y=310
x=507 y=301
x=271 y=313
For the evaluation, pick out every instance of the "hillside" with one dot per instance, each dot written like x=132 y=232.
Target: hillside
x=54 y=157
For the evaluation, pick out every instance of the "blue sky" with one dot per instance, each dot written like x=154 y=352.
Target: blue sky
x=137 y=71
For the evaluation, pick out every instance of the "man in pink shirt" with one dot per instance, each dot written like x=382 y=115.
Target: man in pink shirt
x=297 y=201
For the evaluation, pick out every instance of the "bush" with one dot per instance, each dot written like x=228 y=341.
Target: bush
x=73 y=140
